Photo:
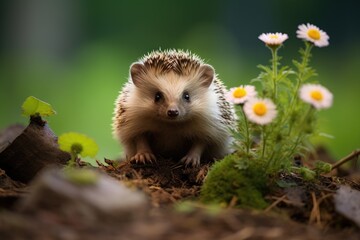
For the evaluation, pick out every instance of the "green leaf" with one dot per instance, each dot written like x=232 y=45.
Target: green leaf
x=296 y=64
x=77 y=143
x=322 y=134
x=265 y=68
x=256 y=80
x=34 y=106
x=238 y=135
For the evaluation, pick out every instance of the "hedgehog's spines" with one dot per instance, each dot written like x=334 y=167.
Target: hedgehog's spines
x=179 y=61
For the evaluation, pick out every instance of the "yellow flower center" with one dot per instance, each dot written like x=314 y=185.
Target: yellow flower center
x=239 y=92
x=314 y=34
x=316 y=95
x=273 y=36
x=260 y=109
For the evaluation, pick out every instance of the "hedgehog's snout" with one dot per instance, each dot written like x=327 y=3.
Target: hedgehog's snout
x=173 y=112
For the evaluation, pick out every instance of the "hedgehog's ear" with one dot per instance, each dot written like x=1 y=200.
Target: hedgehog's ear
x=137 y=70
x=207 y=74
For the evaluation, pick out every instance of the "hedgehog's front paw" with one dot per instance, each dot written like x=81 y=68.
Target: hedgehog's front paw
x=191 y=159
x=143 y=157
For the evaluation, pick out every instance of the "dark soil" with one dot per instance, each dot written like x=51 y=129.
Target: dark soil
x=298 y=209
x=168 y=183
x=165 y=181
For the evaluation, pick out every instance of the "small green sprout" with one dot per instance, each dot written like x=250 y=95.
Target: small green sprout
x=81 y=176
x=306 y=173
x=322 y=167
x=77 y=144
x=35 y=107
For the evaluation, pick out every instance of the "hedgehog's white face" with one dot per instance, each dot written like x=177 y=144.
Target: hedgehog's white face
x=169 y=96
x=172 y=102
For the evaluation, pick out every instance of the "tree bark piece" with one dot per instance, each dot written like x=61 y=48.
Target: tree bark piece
x=35 y=148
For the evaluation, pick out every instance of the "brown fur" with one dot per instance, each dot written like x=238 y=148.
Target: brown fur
x=147 y=128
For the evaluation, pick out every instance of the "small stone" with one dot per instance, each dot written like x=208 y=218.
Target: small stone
x=347 y=202
x=54 y=191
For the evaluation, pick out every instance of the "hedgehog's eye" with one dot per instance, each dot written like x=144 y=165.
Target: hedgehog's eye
x=186 y=96
x=158 y=96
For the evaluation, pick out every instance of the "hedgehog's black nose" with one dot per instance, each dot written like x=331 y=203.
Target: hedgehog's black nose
x=173 y=113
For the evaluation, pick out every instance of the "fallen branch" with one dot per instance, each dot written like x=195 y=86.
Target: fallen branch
x=354 y=154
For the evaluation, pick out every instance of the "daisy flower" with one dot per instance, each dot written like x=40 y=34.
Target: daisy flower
x=273 y=39
x=239 y=95
x=260 y=111
x=77 y=143
x=312 y=33
x=316 y=95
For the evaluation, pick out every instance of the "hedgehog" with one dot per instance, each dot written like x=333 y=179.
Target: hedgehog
x=173 y=106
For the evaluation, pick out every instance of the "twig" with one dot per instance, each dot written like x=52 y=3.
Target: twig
x=283 y=200
x=275 y=203
x=99 y=163
x=315 y=211
x=320 y=200
x=355 y=153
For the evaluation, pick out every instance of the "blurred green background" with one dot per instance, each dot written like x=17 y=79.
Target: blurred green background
x=75 y=55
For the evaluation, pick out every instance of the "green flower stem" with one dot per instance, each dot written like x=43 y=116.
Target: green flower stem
x=72 y=161
x=301 y=131
x=272 y=147
x=304 y=64
x=293 y=148
x=247 y=137
x=75 y=152
x=307 y=54
x=305 y=59
x=264 y=138
x=270 y=161
x=274 y=70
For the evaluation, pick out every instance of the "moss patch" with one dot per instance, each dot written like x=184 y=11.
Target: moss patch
x=224 y=182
